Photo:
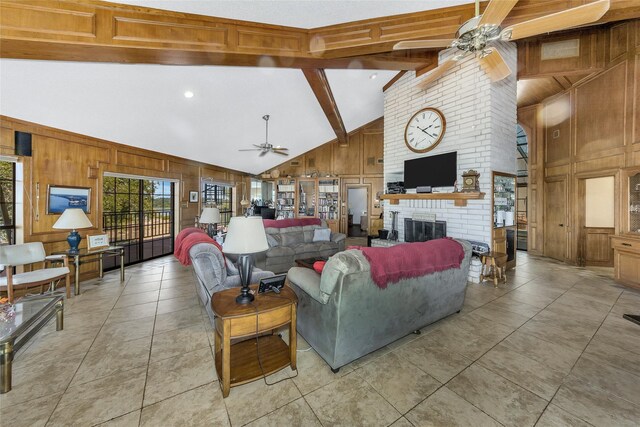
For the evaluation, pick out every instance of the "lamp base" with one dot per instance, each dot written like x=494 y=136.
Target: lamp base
x=74 y=240
x=245 y=296
x=245 y=267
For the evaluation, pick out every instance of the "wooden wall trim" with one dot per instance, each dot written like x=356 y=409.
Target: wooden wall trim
x=317 y=79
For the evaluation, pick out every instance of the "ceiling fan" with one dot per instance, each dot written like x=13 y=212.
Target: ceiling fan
x=477 y=34
x=265 y=147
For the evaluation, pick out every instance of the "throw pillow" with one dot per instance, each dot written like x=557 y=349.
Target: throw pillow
x=318 y=266
x=321 y=235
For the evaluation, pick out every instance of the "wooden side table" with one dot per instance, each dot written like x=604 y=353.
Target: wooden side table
x=254 y=358
x=493 y=267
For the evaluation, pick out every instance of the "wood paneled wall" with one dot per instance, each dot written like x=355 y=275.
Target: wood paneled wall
x=590 y=130
x=357 y=164
x=65 y=158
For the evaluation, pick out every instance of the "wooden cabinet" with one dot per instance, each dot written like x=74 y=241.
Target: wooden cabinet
x=626 y=246
x=285 y=198
x=329 y=202
x=309 y=198
x=503 y=198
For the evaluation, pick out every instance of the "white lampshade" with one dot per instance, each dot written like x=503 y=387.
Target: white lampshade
x=210 y=216
x=245 y=235
x=72 y=219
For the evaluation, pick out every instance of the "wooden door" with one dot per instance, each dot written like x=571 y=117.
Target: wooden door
x=555 y=212
x=597 y=246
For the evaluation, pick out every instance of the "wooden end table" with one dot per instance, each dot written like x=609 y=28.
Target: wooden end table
x=240 y=363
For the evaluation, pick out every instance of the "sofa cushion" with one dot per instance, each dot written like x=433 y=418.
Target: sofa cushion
x=292 y=236
x=280 y=251
x=309 y=281
x=340 y=264
x=321 y=235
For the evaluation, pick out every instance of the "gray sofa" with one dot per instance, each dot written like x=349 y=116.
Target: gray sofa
x=344 y=315
x=291 y=243
x=215 y=274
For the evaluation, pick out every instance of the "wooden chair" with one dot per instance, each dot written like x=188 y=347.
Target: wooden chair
x=30 y=253
x=494 y=267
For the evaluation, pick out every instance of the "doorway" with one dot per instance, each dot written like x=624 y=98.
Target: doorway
x=358 y=215
x=139 y=215
x=596 y=220
x=555 y=212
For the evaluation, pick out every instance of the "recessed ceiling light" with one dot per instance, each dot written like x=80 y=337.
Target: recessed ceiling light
x=188 y=94
x=373 y=76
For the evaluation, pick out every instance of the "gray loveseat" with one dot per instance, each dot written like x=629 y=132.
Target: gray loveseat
x=287 y=244
x=215 y=274
x=344 y=315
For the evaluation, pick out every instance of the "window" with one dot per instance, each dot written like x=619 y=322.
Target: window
x=7 y=203
x=222 y=196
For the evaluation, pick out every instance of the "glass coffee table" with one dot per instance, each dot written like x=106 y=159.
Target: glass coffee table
x=31 y=314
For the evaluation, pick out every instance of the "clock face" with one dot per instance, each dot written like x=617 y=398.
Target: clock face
x=424 y=130
x=468 y=181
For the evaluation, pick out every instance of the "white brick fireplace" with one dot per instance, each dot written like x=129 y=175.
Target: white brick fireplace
x=481 y=127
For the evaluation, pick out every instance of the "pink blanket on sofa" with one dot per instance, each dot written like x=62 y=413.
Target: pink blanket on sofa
x=297 y=222
x=389 y=265
x=184 y=242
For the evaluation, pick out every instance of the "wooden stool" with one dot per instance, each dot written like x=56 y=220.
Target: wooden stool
x=493 y=267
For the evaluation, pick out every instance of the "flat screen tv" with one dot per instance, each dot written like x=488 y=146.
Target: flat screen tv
x=434 y=171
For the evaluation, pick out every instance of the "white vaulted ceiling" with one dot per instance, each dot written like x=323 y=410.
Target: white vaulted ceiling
x=144 y=105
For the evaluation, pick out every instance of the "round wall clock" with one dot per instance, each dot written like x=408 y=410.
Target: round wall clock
x=425 y=130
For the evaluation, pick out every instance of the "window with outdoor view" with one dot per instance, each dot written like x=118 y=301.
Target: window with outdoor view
x=7 y=203
x=222 y=196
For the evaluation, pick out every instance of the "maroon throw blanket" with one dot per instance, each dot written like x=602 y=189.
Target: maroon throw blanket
x=182 y=234
x=182 y=252
x=284 y=223
x=390 y=265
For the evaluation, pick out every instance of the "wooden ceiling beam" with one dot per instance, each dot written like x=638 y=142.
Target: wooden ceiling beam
x=317 y=79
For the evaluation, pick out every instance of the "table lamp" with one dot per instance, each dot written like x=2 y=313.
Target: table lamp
x=245 y=236
x=211 y=217
x=72 y=219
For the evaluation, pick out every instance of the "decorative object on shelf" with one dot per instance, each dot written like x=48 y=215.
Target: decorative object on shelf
x=265 y=147
x=245 y=237
x=470 y=181
x=275 y=174
x=73 y=219
x=61 y=197
x=193 y=196
x=425 y=130
x=97 y=241
x=211 y=217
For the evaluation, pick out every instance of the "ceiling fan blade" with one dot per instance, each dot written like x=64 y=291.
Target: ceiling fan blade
x=422 y=44
x=258 y=146
x=280 y=152
x=263 y=153
x=494 y=65
x=250 y=149
x=496 y=11
x=280 y=148
x=557 y=21
x=438 y=72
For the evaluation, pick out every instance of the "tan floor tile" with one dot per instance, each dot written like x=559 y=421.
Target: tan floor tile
x=117 y=357
x=84 y=321
x=446 y=408
x=595 y=406
x=124 y=331
x=177 y=292
x=177 y=304
x=402 y=422
x=629 y=302
x=556 y=333
x=100 y=400
x=144 y=277
x=514 y=306
x=537 y=300
x=621 y=333
x=270 y=398
x=202 y=406
x=605 y=377
x=503 y=317
x=314 y=372
x=178 y=341
x=132 y=419
x=557 y=356
x=359 y=404
x=169 y=377
x=460 y=341
x=135 y=299
x=178 y=319
x=554 y=416
x=70 y=341
x=32 y=413
x=522 y=370
x=479 y=325
x=601 y=352
x=499 y=398
x=296 y=413
x=179 y=282
x=136 y=288
x=439 y=362
x=398 y=381
x=132 y=312
x=45 y=379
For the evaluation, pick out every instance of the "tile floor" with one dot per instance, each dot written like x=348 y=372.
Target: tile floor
x=549 y=348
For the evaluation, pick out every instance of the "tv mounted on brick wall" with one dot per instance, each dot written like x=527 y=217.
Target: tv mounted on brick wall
x=434 y=171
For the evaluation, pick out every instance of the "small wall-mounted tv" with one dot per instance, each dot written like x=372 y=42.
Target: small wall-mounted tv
x=434 y=171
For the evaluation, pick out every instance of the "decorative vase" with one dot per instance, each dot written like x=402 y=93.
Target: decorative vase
x=275 y=173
